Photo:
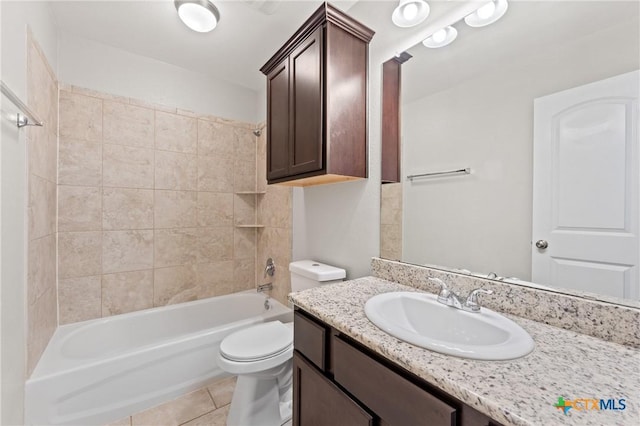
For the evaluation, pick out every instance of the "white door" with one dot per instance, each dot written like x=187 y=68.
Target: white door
x=586 y=188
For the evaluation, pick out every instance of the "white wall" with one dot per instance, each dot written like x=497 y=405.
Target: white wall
x=15 y=16
x=93 y=65
x=483 y=222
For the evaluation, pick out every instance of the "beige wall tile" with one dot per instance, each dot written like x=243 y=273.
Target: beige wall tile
x=244 y=209
x=175 y=209
x=222 y=391
x=42 y=93
x=42 y=321
x=274 y=207
x=127 y=167
x=216 y=139
x=261 y=162
x=215 y=209
x=391 y=241
x=215 y=244
x=80 y=117
x=80 y=163
x=178 y=411
x=79 y=208
x=128 y=125
x=176 y=133
x=215 y=174
x=244 y=274
x=275 y=243
x=176 y=171
x=127 y=208
x=41 y=270
x=214 y=418
x=175 y=284
x=42 y=207
x=245 y=173
x=42 y=147
x=79 y=254
x=127 y=251
x=127 y=292
x=174 y=247
x=215 y=279
x=244 y=243
x=80 y=299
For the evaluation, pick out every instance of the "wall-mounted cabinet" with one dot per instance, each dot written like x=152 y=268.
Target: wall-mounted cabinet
x=317 y=102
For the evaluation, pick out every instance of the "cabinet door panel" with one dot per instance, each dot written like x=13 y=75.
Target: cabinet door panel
x=318 y=402
x=278 y=119
x=307 y=86
x=392 y=397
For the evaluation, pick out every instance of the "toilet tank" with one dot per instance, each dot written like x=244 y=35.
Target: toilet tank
x=309 y=273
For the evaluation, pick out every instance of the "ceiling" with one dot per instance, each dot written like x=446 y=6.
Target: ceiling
x=512 y=41
x=249 y=32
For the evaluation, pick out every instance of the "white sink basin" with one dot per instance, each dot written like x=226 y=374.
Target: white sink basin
x=419 y=319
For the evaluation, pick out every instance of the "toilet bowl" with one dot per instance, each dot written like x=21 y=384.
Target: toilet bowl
x=261 y=356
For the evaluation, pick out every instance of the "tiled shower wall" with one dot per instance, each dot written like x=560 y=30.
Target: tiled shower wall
x=148 y=205
x=391 y=221
x=275 y=239
x=42 y=97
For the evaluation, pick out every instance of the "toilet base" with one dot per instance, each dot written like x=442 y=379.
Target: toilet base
x=262 y=399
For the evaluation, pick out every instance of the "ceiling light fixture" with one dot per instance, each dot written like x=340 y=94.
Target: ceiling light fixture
x=441 y=37
x=199 y=15
x=487 y=14
x=410 y=13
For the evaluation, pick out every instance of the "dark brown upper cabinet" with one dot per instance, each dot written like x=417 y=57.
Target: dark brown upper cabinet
x=391 y=91
x=317 y=102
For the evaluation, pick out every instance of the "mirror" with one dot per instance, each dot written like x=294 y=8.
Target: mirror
x=540 y=107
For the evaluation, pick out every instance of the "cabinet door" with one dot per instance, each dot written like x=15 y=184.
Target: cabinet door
x=278 y=119
x=318 y=402
x=307 y=110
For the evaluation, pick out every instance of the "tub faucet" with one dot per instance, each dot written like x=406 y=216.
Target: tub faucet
x=265 y=289
x=450 y=298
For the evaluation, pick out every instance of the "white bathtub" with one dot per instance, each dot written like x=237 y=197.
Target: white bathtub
x=99 y=371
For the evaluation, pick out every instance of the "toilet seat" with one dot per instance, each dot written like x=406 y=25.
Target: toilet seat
x=257 y=348
x=257 y=342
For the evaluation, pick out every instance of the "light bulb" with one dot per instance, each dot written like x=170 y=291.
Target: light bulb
x=439 y=35
x=410 y=11
x=487 y=10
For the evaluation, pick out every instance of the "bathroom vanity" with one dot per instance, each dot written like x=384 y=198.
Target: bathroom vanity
x=349 y=372
x=338 y=381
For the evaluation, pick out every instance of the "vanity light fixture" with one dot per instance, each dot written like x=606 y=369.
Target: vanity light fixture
x=441 y=38
x=410 y=13
x=487 y=14
x=199 y=15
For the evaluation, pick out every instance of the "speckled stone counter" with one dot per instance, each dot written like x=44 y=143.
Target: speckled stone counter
x=516 y=392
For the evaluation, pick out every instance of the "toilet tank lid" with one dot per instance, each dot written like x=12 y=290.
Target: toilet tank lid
x=316 y=271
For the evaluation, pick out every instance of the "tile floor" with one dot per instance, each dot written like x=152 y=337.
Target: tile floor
x=205 y=407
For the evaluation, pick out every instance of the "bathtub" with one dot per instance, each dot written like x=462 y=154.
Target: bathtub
x=99 y=371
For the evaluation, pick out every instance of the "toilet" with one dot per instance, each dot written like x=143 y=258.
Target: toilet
x=261 y=356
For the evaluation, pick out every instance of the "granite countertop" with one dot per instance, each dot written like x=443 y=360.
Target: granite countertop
x=516 y=392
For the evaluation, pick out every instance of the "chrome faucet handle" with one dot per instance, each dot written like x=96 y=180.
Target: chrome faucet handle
x=445 y=293
x=270 y=268
x=472 y=303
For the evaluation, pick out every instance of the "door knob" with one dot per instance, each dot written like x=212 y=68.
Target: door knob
x=542 y=244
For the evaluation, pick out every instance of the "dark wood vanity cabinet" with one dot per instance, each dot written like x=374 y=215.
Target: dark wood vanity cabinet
x=337 y=381
x=316 y=102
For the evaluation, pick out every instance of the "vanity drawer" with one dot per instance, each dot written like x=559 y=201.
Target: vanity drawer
x=309 y=338
x=395 y=399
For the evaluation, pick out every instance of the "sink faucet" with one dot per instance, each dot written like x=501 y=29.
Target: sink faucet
x=450 y=298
